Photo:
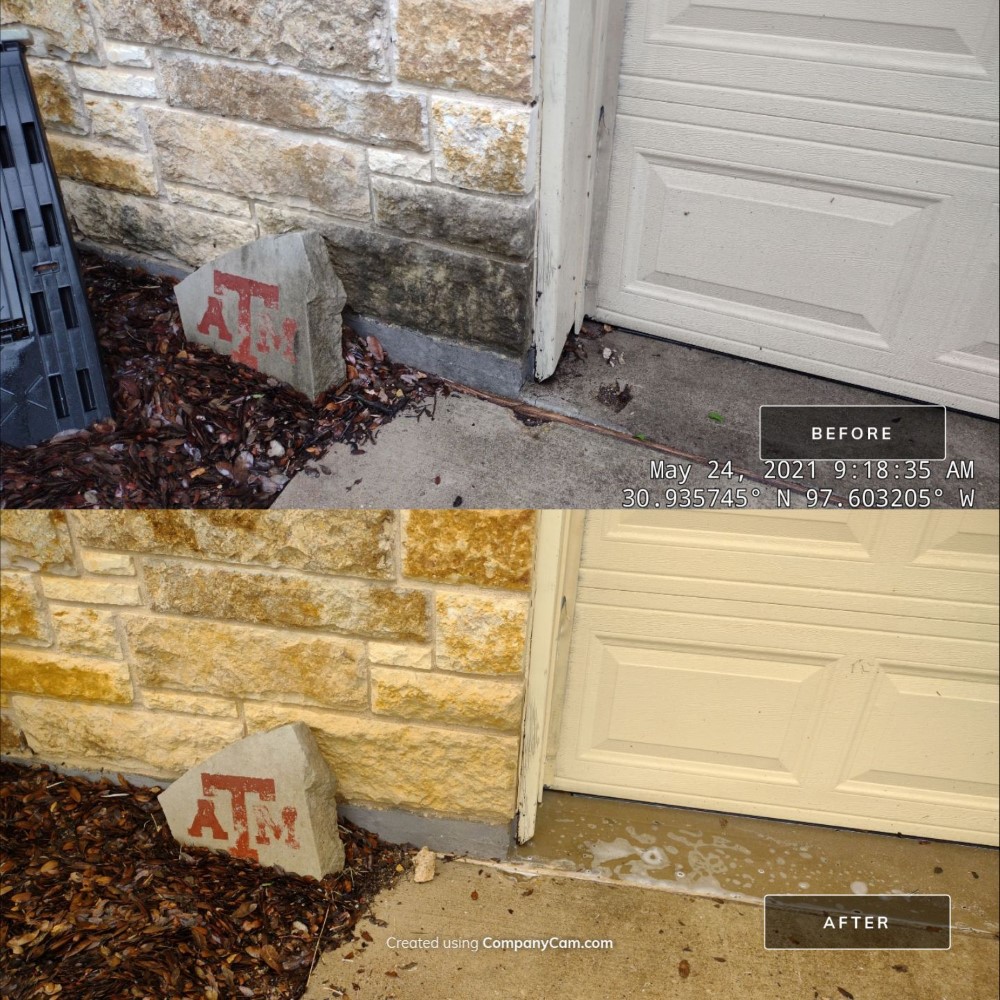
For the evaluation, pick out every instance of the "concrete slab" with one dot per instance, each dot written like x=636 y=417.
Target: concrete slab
x=443 y=939
x=673 y=388
x=480 y=455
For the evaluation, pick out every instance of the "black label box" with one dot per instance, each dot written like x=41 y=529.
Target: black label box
x=857 y=922
x=828 y=433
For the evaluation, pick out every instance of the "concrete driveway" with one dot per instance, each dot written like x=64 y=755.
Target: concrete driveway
x=475 y=932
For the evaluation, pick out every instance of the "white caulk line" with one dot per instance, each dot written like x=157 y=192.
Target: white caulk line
x=536 y=871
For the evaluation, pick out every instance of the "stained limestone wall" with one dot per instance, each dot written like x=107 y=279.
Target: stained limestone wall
x=145 y=641
x=402 y=129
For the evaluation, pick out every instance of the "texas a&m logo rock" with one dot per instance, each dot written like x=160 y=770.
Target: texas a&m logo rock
x=269 y=798
x=273 y=305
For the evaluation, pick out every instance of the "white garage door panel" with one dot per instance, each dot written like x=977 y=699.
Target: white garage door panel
x=901 y=741
x=774 y=704
x=934 y=567
x=802 y=185
x=934 y=57
x=946 y=137
x=760 y=728
x=756 y=243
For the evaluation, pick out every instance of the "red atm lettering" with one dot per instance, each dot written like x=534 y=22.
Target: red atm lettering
x=239 y=787
x=268 y=338
x=265 y=822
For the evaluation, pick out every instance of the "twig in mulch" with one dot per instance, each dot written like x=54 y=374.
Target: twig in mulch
x=191 y=428
x=99 y=903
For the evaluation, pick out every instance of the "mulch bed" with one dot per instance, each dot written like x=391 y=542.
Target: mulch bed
x=99 y=902
x=192 y=428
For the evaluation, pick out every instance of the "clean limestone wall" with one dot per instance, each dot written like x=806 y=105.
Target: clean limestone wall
x=144 y=641
x=404 y=130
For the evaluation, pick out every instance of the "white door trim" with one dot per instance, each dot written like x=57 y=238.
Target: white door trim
x=557 y=558
x=580 y=46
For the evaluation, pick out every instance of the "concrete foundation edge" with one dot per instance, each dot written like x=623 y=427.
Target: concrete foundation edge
x=448 y=836
x=477 y=367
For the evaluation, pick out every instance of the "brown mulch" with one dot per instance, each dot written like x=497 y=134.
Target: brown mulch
x=98 y=902
x=191 y=428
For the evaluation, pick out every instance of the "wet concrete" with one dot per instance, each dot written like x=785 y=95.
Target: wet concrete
x=744 y=858
x=663 y=944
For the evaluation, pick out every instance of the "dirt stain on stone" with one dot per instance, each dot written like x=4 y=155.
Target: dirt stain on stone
x=40 y=674
x=172 y=529
x=101 y=167
x=54 y=100
x=20 y=612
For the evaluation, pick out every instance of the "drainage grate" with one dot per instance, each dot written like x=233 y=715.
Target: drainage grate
x=50 y=369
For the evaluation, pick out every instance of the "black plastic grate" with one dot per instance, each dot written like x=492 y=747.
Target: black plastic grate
x=50 y=368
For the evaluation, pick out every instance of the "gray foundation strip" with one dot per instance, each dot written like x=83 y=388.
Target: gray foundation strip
x=477 y=367
x=447 y=836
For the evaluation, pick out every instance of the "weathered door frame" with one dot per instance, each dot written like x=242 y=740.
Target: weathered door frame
x=557 y=562
x=580 y=48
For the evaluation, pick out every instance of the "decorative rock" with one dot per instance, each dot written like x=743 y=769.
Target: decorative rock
x=273 y=305
x=268 y=798
x=423 y=865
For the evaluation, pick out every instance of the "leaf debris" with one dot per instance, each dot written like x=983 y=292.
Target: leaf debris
x=99 y=904
x=191 y=428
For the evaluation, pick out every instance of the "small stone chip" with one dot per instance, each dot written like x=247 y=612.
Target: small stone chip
x=423 y=865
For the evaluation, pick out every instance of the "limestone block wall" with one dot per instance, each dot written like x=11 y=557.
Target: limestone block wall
x=145 y=641
x=404 y=130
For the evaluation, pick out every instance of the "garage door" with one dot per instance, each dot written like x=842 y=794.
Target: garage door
x=835 y=668
x=811 y=184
